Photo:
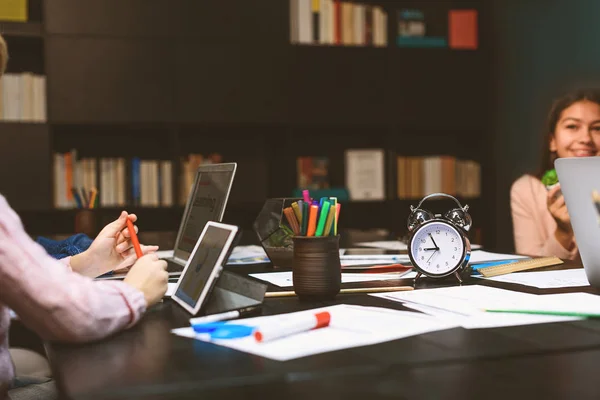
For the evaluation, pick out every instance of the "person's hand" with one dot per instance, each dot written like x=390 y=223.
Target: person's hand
x=149 y=275
x=111 y=250
x=558 y=209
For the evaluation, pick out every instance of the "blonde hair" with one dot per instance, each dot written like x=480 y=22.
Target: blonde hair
x=3 y=55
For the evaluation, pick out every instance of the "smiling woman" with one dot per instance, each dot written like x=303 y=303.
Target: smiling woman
x=542 y=226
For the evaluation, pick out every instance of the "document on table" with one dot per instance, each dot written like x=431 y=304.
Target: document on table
x=170 y=289
x=373 y=259
x=350 y=326
x=245 y=255
x=546 y=279
x=563 y=303
x=465 y=305
x=284 y=279
x=480 y=256
x=165 y=253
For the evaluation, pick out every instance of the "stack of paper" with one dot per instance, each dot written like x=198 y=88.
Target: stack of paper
x=284 y=279
x=546 y=279
x=350 y=326
x=466 y=305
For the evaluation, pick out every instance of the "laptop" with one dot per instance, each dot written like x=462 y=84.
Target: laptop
x=580 y=185
x=206 y=202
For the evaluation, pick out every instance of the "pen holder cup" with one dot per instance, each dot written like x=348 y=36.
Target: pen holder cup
x=317 y=272
x=85 y=222
x=274 y=235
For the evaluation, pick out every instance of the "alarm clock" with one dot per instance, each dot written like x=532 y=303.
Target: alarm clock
x=438 y=245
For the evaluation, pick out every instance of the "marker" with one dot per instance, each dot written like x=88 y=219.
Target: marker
x=296 y=324
x=323 y=219
x=224 y=330
x=134 y=239
x=305 y=216
x=297 y=207
x=306 y=196
x=312 y=220
x=242 y=312
x=338 y=206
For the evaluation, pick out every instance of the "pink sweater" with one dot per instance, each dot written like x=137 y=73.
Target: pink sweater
x=533 y=224
x=52 y=300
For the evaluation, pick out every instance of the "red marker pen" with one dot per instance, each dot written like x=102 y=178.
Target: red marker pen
x=134 y=239
x=296 y=324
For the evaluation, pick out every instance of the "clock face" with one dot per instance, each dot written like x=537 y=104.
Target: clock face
x=437 y=248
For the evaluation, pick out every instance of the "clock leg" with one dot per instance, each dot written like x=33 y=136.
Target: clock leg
x=416 y=278
x=458 y=277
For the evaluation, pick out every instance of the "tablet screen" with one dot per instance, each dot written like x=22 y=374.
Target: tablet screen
x=201 y=264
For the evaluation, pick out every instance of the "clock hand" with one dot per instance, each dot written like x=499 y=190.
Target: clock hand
x=431 y=248
x=431 y=256
x=434 y=243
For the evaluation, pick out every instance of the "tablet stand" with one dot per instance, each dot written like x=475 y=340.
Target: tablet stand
x=232 y=292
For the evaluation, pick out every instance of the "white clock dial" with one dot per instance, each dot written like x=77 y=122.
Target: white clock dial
x=437 y=248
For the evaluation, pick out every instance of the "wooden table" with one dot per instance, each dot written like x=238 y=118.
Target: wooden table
x=558 y=360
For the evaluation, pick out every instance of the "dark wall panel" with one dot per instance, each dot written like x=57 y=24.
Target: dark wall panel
x=106 y=80
x=207 y=82
x=25 y=173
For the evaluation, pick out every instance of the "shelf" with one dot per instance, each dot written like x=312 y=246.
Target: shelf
x=21 y=29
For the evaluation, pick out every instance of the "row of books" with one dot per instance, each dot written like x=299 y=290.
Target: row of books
x=420 y=176
x=23 y=97
x=334 y=22
x=366 y=177
x=117 y=181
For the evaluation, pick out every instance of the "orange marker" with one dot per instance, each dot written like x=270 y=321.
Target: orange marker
x=134 y=239
x=312 y=221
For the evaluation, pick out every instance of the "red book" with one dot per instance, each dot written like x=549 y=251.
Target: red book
x=462 y=29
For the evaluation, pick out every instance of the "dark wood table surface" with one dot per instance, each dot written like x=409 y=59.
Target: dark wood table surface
x=558 y=360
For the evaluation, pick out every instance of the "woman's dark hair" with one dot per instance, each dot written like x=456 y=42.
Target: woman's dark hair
x=556 y=110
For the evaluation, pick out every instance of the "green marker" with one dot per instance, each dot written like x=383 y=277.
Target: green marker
x=305 y=218
x=323 y=218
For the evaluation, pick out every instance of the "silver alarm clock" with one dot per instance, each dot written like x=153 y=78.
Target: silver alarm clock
x=438 y=245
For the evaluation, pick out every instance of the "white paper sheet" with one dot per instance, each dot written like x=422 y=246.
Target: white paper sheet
x=376 y=325
x=480 y=256
x=584 y=303
x=386 y=245
x=170 y=289
x=465 y=305
x=546 y=279
x=284 y=279
x=164 y=254
x=396 y=245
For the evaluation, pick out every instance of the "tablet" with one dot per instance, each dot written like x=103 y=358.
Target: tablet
x=204 y=265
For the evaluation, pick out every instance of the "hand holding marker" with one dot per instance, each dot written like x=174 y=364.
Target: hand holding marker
x=309 y=217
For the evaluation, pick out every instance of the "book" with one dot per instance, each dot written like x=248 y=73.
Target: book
x=365 y=177
x=312 y=172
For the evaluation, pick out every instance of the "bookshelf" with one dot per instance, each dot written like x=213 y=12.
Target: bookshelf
x=146 y=79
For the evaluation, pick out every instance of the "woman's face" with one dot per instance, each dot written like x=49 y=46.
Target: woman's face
x=577 y=132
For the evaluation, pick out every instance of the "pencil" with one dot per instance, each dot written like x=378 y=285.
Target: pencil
x=349 y=291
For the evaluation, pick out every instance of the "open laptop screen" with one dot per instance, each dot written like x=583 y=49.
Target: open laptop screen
x=207 y=203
